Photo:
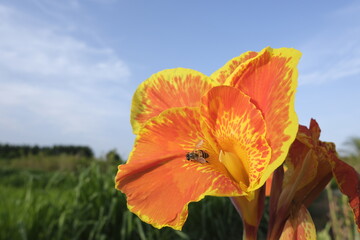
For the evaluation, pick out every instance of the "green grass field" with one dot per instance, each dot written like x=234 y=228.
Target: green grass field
x=80 y=202
x=66 y=197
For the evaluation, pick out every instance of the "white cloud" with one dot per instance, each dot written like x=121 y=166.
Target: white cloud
x=58 y=81
x=329 y=75
x=334 y=52
x=348 y=11
x=27 y=49
x=50 y=5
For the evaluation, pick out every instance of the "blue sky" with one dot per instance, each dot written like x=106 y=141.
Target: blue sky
x=68 y=68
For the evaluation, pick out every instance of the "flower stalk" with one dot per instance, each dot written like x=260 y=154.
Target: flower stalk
x=251 y=212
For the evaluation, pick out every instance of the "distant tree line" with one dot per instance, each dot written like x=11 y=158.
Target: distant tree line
x=8 y=151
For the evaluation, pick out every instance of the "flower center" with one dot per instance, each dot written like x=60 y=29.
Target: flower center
x=235 y=165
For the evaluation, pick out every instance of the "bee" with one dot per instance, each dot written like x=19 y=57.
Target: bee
x=197 y=155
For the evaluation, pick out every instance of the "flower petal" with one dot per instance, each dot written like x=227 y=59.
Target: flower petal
x=299 y=226
x=270 y=80
x=308 y=172
x=158 y=180
x=308 y=177
x=311 y=165
x=302 y=167
x=225 y=71
x=348 y=181
x=239 y=130
x=166 y=89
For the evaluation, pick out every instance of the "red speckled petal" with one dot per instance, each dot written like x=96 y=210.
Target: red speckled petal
x=299 y=227
x=300 y=166
x=311 y=165
x=158 y=180
x=169 y=88
x=239 y=130
x=270 y=79
x=348 y=181
x=225 y=71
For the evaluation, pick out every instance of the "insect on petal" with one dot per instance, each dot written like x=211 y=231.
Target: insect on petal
x=158 y=180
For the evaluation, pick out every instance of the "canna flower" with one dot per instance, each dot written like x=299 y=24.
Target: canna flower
x=242 y=117
x=311 y=164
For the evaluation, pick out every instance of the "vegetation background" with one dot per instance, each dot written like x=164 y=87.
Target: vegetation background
x=64 y=192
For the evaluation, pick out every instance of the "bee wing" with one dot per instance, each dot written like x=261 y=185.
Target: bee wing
x=199 y=143
x=202 y=160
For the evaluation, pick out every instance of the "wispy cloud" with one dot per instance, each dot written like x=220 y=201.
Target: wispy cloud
x=330 y=73
x=61 y=81
x=28 y=49
x=334 y=52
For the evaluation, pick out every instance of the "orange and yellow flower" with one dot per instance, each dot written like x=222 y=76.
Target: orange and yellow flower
x=243 y=115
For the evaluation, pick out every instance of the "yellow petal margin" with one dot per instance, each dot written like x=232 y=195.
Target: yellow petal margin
x=177 y=87
x=224 y=72
x=158 y=180
x=270 y=79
